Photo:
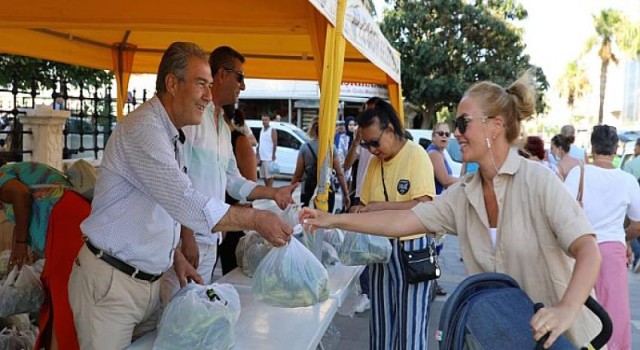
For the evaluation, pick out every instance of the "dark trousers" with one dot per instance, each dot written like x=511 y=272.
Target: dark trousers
x=227 y=251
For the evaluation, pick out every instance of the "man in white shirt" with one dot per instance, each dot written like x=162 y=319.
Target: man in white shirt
x=266 y=150
x=211 y=166
x=141 y=198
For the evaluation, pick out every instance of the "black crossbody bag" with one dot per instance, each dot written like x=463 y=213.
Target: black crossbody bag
x=419 y=265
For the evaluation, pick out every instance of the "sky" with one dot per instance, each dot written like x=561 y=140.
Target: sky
x=556 y=30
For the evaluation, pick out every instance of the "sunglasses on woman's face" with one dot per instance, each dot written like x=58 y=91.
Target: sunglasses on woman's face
x=372 y=143
x=443 y=133
x=462 y=122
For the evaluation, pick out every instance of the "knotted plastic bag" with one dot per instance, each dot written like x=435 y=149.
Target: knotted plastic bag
x=14 y=339
x=329 y=253
x=290 y=276
x=255 y=249
x=291 y=215
x=200 y=317
x=362 y=249
x=21 y=292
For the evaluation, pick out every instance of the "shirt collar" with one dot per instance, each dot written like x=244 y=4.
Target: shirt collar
x=510 y=167
x=175 y=134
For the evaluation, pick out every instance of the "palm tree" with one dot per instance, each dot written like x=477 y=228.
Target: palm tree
x=606 y=26
x=574 y=83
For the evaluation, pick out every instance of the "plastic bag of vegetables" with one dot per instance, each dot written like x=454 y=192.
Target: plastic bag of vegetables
x=335 y=237
x=361 y=249
x=329 y=253
x=21 y=292
x=290 y=276
x=255 y=249
x=291 y=215
x=200 y=317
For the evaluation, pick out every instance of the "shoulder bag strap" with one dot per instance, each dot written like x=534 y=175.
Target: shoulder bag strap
x=384 y=186
x=581 y=185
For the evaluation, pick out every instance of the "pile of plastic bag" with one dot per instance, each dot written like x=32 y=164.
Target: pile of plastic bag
x=254 y=249
x=200 y=317
x=14 y=339
x=290 y=276
x=362 y=249
x=21 y=292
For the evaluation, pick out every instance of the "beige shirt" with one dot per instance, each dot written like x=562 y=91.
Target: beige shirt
x=537 y=222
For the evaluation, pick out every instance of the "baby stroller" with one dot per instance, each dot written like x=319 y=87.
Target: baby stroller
x=490 y=311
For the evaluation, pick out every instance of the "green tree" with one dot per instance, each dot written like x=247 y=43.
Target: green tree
x=606 y=24
x=446 y=46
x=573 y=83
x=46 y=72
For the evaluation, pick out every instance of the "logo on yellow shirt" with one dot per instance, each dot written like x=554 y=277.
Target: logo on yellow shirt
x=403 y=186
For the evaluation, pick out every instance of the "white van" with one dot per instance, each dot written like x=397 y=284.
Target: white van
x=452 y=153
x=290 y=138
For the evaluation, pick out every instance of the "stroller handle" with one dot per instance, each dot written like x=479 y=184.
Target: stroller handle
x=600 y=340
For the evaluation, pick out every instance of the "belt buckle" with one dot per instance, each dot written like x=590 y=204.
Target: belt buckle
x=135 y=272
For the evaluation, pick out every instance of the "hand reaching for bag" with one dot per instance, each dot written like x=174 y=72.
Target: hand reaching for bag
x=272 y=228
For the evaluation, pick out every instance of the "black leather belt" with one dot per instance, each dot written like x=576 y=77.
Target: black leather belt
x=121 y=265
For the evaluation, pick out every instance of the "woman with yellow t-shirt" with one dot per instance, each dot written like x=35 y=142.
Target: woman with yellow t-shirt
x=399 y=177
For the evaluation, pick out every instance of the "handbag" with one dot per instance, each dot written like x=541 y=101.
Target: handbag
x=419 y=265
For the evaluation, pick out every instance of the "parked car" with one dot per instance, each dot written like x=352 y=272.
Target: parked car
x=626 y=147
x=452 y=154
x=290 y=138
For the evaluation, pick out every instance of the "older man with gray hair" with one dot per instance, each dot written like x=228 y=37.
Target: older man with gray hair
x=141 y=198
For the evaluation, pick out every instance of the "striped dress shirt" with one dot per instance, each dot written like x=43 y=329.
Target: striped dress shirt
x=143 y=194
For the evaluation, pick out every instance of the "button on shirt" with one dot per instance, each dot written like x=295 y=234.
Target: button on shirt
x=211 y=164
x=142 y=193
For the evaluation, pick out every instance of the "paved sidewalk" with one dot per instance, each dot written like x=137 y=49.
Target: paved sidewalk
x=355 y=331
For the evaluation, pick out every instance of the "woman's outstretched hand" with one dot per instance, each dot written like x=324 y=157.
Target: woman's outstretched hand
x=312 y=219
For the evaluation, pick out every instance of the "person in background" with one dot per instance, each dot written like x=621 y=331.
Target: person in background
x=538 y=234
x=266 y=150
x=341 y=141
x=609 y=197
x=534 y=150
x=47 y=214
x=141 y=198
x=633 y=167
x=306 y=171
x=247 y=165
x=358 y=159
x=212 y=168
x=399 y=310
x=560 y=148
x=352 y=127
x=443 y=178
x=575 y=151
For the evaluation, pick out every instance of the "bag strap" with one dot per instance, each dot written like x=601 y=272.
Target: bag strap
x=581 y=185
x=384 y=186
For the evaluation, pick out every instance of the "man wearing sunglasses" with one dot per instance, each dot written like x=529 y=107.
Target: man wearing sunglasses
x=212 y=167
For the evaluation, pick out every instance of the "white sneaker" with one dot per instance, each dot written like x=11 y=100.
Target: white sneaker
x=364 y=304
x=636 y=267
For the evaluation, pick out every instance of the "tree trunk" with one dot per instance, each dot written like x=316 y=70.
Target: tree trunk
x=603 y=87
x=428 y=116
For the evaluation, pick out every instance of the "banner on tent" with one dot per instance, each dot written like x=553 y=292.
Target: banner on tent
x=364 y=34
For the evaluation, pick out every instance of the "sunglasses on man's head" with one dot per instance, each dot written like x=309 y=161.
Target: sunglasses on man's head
x=443 y=133
x=239 y=74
